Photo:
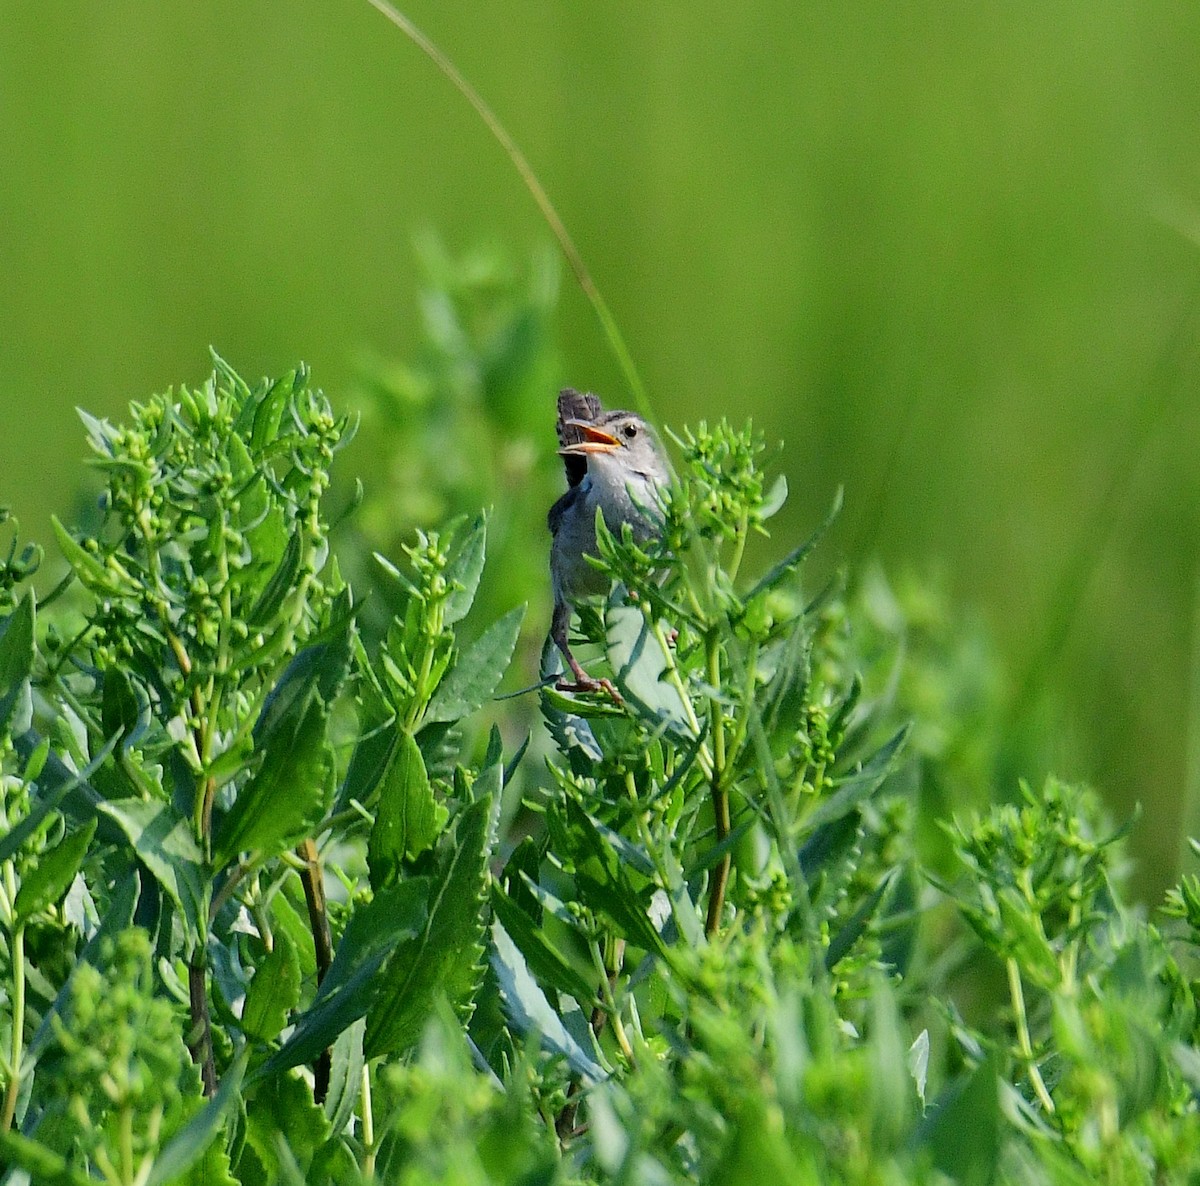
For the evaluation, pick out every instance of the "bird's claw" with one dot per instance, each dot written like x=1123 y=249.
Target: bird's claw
x=587 y=684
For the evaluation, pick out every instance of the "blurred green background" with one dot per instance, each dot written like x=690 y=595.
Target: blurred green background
x=948 y=252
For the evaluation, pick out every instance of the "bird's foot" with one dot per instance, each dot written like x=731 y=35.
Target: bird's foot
x=585 y=683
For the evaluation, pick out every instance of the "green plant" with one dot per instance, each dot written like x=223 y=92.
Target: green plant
x=261 y=921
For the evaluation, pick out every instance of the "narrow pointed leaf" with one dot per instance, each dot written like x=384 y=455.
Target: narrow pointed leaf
x=859 y=786
x=287 y=796
x=282 y=582
x=353 y=981
x=88 y=568
x=16 y=645
x=640 y=668
x=345 y=1075
x=791 y=561
x=464 y=570
x=478 y=672
x=773 y=500
x=123 y=713
x=445 y=959
x=16 y=664
x=59 y=786
x=407 y=819
x=322 y=666
x=604 y=883
x=368 y=763
x=529 y=1010
x=163 y=841
x=545 y=961
x=854 y=927
x=274 y=991
x=49 y=879
x=683 y=909
x=189 y=1144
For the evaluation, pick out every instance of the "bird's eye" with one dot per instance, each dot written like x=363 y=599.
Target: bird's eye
x=630 y=431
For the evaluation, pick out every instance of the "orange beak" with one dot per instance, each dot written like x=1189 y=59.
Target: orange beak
x=595 y=440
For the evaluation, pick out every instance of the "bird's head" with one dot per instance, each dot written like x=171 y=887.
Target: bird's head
x=619 y=439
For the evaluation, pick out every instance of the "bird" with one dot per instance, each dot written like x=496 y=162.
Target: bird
x=613 y=463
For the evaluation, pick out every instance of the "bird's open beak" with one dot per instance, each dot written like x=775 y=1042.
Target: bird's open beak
x=595 y=440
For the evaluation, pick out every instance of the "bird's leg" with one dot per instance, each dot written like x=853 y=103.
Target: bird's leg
x=559 y=629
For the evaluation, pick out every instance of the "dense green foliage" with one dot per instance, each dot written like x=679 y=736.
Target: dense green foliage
x=948 y=252
x=729 y=930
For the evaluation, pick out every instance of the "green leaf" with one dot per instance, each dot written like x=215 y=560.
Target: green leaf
x=191 y=1142
x=489 y=782
x=94 y=575
x=286 y=797
x=407 y=819
x=529 y=1010
x=353 y=981
x=16 y=664
x=773 y=500
x=60 y=786
x=372 y=753
x=274 y=991
x=604 y=881
x=859 y=786
x=268 y=404
x=962 y=1130
x=546 y=961
x=710 y=857
x=640 y=668
x=854 y=927
x=892 y=1092
x=282 y=583
x=323 y=665
x=121 y=712
x=45 y=883
x=100 y=433
x=783 y=702
x=756 y=1149
x=283 y=1124
x=683 y=909
x=117 y=918
x=163 y=841
x=16 y=645
x=42 y=1164
x=478 y=671
x=345 y=1075
x=1025 y=939
x=464 y=570
x=444 y=959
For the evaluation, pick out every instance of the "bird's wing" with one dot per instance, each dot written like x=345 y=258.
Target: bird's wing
x=563 y=505
x=575 y=405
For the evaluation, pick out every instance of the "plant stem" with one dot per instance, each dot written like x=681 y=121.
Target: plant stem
x=676 y=681
x=1024 y=1044
x=200 y=1039
x=720 y=792
x=368 y=1124
x=610 y=1002
x=126 y=1135
x=18 y=1025
x=779 y=815
x=226 y=891
x=318 y=921
x=739 y=548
